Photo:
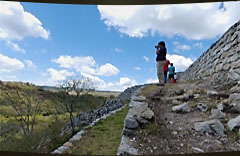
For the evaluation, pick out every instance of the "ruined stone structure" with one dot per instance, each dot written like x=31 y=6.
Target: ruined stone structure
x=221 y=62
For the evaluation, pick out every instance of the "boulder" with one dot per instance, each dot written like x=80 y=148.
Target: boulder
x=217 y=114
x=234 y=123
x=234 y=102
x=125 y=147
x=141 y=111
x=130 y=123
x=211 y=127
x=202 y=107
x=184 y=108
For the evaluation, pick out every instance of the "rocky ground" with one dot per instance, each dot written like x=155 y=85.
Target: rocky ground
x=191 y=118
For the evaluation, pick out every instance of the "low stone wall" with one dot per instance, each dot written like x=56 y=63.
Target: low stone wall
x=86 y=118
x=138 y=115
x=221 y=62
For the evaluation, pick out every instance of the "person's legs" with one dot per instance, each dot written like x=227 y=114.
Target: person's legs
x=160 y=73
x=171 y=77
x=165 y=77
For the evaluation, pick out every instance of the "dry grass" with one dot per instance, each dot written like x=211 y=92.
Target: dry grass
x=148 y=89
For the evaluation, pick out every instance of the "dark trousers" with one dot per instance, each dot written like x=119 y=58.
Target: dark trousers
x=165 y=76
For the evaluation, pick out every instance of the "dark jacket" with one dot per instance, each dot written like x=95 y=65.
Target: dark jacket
x=162 y=55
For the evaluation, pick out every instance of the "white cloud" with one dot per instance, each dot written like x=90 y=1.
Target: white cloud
x=80 y=64
x=193 y=21
x=126 y=82
x=10 y=65
x=107 y=70
x=151 y=80
x=86 y=65
x=122 y=84
x=16 y=23
x=15 y=47
x=181 y=63
x=30 y=64
x=137 y=68
x=146 y=58
x=56 y=76
x=180 y=47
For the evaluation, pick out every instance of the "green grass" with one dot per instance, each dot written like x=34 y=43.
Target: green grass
x=103 y=138
x=46 y=125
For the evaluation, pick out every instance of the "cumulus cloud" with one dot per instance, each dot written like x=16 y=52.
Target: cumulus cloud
x=146 y=58
x=122 y=84
x=16 y=23
x=180 y=47
x=125 y=82
x=107 y=70
x=86 y=65
x=30 y=64
x=193 y=21
x=10 y=65
x=181 y=63
x=58 y=75
x=15 y=47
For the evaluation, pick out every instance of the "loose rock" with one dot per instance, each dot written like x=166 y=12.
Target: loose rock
x=234 y=123
x=181 y=108
x=202 y=107
x=217 y=114
x=211 y=127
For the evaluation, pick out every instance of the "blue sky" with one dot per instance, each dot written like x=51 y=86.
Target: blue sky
x=112 y=45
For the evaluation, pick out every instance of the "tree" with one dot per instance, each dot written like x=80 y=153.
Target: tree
x=27 y=108
x=73 y=87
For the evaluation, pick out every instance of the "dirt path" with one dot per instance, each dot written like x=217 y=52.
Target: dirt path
x=173 y=133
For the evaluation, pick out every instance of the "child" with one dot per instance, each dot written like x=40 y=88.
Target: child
x=175 y=78
x=165 y=70
x=171 y=71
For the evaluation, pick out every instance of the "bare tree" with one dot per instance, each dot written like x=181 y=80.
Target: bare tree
x=74 y=87
x=27 y=108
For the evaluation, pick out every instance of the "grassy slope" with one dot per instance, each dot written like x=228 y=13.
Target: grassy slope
x=10 y=130
x=103 y=138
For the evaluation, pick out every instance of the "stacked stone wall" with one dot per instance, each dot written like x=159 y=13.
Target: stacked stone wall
x=221 y=62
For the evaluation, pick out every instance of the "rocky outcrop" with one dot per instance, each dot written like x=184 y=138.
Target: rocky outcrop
x=221 y=62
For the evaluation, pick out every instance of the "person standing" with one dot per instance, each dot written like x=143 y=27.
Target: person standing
x=171 y=71
x=161 y=52
x=165 y=70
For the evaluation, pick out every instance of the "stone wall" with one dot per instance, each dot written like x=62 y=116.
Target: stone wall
x=86 y=118
x=221 y=62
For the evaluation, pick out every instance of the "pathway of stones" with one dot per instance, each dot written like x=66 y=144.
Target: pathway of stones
x=190 y=118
